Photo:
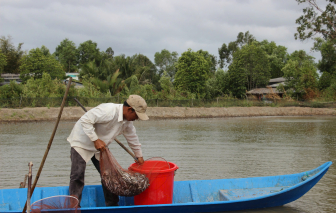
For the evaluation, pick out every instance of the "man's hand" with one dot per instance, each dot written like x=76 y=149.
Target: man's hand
x=140 y=160
x=99 y=145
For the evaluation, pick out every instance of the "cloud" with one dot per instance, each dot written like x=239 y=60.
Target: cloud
x=149 y=26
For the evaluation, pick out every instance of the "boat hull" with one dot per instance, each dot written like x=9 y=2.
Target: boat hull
x=190 y=196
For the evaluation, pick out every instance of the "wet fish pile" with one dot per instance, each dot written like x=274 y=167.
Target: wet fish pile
x=119 y=181
x=125 y=184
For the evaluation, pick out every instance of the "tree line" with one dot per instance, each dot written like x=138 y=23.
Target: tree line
x=243 y=64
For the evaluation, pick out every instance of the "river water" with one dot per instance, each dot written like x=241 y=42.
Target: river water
x=213 y=148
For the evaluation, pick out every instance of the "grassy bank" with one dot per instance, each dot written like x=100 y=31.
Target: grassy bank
x=219 y=102
x=74 y=113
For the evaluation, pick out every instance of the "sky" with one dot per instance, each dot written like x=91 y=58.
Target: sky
x=149 y=26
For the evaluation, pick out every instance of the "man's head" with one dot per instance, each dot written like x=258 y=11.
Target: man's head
x=135 y=107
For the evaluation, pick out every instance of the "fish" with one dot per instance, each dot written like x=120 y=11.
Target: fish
x=118 y=180
x=124 y=183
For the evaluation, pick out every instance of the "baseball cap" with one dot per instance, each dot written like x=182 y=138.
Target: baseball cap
x=139 y=105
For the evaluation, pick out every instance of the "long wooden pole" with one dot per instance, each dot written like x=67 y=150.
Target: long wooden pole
x=127 y=150
x=122 y=145
x=30 y=165
x=50 y=142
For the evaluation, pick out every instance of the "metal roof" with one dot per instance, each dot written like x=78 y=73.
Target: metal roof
x=277 y=80
x=276 y=85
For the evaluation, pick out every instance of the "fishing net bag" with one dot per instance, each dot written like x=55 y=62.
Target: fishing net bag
x=118 y=180
x=66 y=203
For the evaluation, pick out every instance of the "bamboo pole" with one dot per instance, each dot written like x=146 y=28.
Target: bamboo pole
x=30 y=165
x=23 y=184
x=50 y=142
x=127 y=150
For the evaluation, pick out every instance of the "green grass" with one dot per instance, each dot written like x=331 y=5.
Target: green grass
x=230 y=102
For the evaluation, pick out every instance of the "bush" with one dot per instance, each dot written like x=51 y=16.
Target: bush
x=11 y=90
x=45 y=87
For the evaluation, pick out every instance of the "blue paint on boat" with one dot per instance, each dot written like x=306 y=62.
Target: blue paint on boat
x=189 y=196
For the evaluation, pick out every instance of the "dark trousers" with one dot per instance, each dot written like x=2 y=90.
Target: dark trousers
x=76 y=185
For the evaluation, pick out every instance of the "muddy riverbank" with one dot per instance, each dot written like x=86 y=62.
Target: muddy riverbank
x=74 y=113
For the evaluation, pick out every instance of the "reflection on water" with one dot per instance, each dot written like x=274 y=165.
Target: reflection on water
x=202 y=148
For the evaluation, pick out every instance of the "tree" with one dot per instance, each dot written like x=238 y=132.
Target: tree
x=300 y=73
x=165 y=61
x=3 y=61
x=327 y=63
x=212 y=60
x=90 y=69
x=144 y=69
x=125 y=66
x=326 y=80
x=315 y=21
x=134 y=87
x=109 y=53
x=244 y=38
x=330 y=92
x=250 y=69
x=88 y=51
x=44 y=87
x=67 y=54
x=300 y=77
x=218 y=84
x=100 y=71
x=167 y=87
x=166 y=83
x=137 y=65
x=36 y=63
x=45 y=51
x=13 y=54
x=90 y=90
x=226 y=51
x=105 y=56
x=301 y=57
x=277 y=56
x=115 y=84
x=193 y=70
x=112 y=85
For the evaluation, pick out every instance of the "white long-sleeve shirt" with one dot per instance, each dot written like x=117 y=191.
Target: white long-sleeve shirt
x=106 y=123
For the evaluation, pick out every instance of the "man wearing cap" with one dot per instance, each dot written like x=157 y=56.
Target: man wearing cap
x=95 y=130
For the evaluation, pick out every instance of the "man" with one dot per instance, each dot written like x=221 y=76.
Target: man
x=95 y=130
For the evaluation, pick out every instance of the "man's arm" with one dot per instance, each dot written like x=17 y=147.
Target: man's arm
x=95 y=115
x=133 y=141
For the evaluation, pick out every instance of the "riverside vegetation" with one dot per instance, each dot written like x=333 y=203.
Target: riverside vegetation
x=194 y=77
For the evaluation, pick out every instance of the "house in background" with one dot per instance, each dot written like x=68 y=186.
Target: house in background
x=74 y=75
x=16 y=77
x=269 y=91
x=10 y=77
x=275 y=82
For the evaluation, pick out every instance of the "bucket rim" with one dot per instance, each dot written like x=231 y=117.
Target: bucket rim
x=174 y=168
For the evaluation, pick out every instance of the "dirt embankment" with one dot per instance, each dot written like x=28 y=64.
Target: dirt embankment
x=74 y=113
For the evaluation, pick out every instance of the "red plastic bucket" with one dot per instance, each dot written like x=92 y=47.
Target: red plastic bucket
x=161 y=182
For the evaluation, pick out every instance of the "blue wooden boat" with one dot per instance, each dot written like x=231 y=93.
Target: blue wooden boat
x=189 y=196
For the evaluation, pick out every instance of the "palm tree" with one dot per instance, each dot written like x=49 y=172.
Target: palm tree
x=125 y=65
x=89 y=69
x=112 y=84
